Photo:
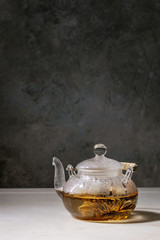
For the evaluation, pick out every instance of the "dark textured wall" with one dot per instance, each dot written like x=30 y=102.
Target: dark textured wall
x=74 y=73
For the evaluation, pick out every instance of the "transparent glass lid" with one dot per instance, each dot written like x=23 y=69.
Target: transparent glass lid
x=99 y=163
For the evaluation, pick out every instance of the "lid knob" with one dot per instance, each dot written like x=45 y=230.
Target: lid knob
x=100 y=149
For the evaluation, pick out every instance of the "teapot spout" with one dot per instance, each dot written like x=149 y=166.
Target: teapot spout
x=59 y=176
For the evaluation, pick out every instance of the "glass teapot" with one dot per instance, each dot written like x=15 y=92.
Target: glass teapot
x=98 y=189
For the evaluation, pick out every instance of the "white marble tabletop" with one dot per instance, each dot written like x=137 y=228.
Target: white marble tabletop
x=36 y=214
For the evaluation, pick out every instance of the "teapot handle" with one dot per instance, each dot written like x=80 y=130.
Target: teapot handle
x=127 y=177
x=130 y=168
x=127 y=165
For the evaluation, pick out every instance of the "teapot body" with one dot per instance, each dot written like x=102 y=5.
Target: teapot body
x=99 y=198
